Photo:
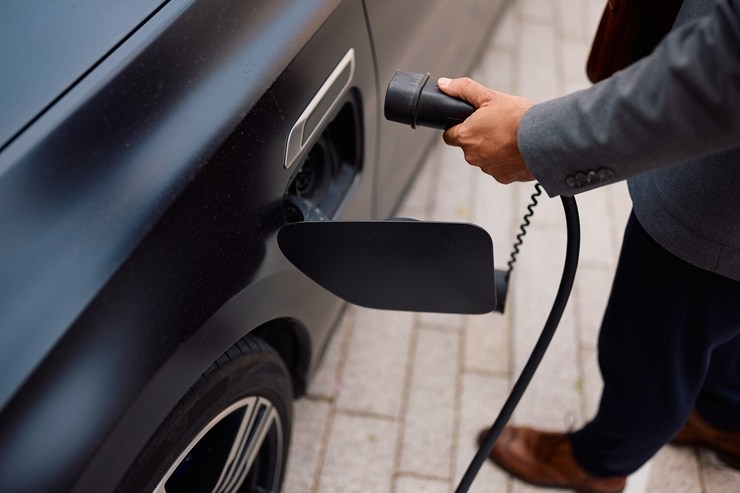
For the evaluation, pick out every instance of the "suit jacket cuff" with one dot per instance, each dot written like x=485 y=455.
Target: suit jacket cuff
x=552 y=160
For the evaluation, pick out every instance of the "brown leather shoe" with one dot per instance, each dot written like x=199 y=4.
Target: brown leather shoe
x=546 y=459
x=698 y=433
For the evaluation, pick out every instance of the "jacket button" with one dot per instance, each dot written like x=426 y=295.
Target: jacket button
x=605 y=174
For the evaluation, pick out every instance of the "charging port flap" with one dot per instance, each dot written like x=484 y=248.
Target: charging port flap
x=397 y=264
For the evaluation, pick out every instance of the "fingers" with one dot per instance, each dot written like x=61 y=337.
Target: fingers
x=456 y=136
x=450 y=136
x=466 y=89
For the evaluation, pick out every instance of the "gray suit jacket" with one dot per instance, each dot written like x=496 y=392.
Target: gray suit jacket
x=670 y=124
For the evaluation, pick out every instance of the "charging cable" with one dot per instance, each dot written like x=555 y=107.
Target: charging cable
x=556 y=312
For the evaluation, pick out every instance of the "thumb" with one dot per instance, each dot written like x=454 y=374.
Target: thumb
x=466 y=89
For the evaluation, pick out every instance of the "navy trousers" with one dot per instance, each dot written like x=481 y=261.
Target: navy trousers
x=669 y=343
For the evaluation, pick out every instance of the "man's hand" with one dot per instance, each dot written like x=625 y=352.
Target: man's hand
x=488 y=137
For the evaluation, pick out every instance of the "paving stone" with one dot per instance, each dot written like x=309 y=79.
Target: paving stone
x=450 y=321
x=621 y=208
x=497 y=71
x=552 y=398
x=418 y=202
x=416 y=209
x=591 y=291
x=574 y=84
x=506 y=34
x=534 y=283
x=375 y=370
x=409 y=484
x=535 y=10
x=574 y=55
x=716 y=476
x=676 y=470
x=481 y=399
x=453 y=187
x=326 y=382
x=429 y=420
x=309 y=427
x=590 y=384
x=593 y=11
x=638 y=481
x=597 y=241
x=537 y=74
x=492 y=208
x=571 y=20
x=487 y=344
x=360 y=455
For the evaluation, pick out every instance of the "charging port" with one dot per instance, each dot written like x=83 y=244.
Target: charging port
x=325 y=177
x=315 y=173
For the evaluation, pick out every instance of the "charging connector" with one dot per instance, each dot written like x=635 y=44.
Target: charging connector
x=414 y=99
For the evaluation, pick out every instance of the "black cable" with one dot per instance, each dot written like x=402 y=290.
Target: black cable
x=556 y=312
x=523 y=230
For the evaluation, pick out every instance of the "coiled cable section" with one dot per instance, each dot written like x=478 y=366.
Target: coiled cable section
x=523 y=229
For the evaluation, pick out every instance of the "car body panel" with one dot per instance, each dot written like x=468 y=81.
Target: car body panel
x=142 y=208
x=61 y=35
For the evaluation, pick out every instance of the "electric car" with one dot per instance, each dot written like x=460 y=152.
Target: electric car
x=152 y=336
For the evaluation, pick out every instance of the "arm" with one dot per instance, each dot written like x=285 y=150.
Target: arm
x=680 y=102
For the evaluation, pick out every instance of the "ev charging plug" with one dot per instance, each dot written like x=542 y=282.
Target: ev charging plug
x=414 y=99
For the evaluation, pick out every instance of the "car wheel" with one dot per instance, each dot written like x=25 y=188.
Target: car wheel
x=230 y=433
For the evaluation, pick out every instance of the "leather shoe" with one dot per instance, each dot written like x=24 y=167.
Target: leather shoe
x=698 y=433
x=546 y=459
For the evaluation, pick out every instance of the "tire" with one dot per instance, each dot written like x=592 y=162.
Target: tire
x=230 y=433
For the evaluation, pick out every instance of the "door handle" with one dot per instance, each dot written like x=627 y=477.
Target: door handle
x=321 y=106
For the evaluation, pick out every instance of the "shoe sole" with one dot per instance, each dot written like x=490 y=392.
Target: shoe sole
x=730 y=461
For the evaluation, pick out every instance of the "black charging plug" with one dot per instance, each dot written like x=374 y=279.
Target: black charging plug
x=414 y=99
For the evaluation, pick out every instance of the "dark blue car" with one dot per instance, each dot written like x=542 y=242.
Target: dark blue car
x=152 y=336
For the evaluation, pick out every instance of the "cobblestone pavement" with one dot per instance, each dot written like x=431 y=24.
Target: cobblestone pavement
x=400 y=397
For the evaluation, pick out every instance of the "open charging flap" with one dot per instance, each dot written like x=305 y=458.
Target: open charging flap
x=397 y=264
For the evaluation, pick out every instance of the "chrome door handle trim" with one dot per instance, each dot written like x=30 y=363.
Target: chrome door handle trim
x=334 y=88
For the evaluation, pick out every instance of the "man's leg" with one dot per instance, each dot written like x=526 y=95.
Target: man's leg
x=664 y=320
x=667 y=323
x=719 y=399
x=715 y=422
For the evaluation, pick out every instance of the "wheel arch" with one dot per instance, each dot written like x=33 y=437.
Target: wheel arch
x=291 y=340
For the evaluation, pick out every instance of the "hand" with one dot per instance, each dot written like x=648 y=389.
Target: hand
x=488 y=137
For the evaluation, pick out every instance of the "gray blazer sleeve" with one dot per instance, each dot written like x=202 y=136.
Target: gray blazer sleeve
x=680 y=102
